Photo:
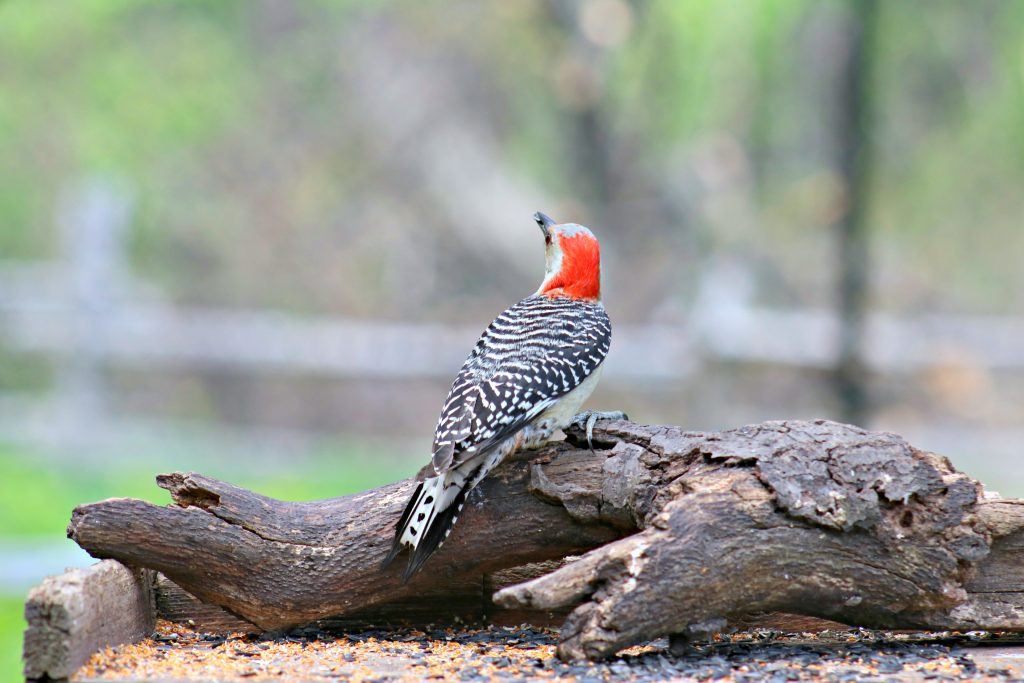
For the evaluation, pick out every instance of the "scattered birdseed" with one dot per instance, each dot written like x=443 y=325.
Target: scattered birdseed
x=528 y=654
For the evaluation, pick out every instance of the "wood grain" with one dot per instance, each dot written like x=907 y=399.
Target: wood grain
x=81 y=611
x=278 y=564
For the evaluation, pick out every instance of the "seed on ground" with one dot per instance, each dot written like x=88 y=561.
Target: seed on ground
x=527 y=653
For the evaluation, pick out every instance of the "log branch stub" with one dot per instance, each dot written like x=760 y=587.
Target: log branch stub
x=682 y=532
x=279 y=564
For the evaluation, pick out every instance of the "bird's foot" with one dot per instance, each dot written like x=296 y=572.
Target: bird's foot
x=588 y=418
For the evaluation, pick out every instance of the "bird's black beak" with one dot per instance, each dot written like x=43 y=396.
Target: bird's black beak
x=544 y=221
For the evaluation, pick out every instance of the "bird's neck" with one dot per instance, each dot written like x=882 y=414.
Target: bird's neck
x=578 y=274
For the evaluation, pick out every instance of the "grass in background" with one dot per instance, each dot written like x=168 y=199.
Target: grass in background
x=12 y=626
x=40 y=492
x=40 y=495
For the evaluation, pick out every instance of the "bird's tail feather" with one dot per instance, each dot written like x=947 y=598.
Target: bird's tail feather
x=400 y=527
x=429 y=516
x=435 y=533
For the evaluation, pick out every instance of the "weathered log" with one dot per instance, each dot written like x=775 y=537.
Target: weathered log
x=280 y=564
x=815 y=518
x=811 y=518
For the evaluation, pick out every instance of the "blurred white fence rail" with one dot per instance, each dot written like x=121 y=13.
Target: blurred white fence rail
x=260 y=341
x=88 y=313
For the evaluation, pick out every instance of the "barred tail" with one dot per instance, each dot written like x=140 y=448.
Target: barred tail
x=428 y=519
x=400 y=528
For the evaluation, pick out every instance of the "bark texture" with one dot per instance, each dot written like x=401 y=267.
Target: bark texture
x=279 y=564
x=685 y=531
x=814 y=518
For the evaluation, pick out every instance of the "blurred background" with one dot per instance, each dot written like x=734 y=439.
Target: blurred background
x=258 y=238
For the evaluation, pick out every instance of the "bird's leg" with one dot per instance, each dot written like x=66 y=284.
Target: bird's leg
x=588 y=418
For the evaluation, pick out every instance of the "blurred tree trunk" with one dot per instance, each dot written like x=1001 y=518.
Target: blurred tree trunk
x=583 y=83
x=853 y=128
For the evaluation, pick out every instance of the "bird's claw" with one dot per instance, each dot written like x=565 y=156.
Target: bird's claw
x=588 y=418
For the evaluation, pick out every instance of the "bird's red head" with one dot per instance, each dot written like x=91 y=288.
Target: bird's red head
x=573 y=260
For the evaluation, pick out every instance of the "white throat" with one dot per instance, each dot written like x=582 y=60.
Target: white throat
x=552 y=266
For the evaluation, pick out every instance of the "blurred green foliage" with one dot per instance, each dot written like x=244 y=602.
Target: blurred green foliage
x=235 y=124
x=24 y=372
x=39 y=494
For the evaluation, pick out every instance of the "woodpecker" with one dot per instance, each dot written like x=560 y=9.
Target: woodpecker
x=527 y=376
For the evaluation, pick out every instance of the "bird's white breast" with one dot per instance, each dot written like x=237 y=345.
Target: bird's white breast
x=566 y=408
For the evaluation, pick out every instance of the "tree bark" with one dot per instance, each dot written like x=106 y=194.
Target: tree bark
x=282 y=564
x=686 y=532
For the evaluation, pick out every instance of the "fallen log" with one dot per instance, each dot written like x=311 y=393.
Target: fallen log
x=280 y=564
x=817 y=518
x=685 y=531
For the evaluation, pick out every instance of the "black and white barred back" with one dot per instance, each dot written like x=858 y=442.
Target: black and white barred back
x=532 y=356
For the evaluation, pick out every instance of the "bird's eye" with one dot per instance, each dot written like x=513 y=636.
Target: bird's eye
x=547 y=240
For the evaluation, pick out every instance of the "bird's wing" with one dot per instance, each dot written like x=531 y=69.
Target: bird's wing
x=530 y=356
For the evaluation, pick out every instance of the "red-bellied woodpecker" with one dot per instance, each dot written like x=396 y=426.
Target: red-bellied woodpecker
x=528 y=374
